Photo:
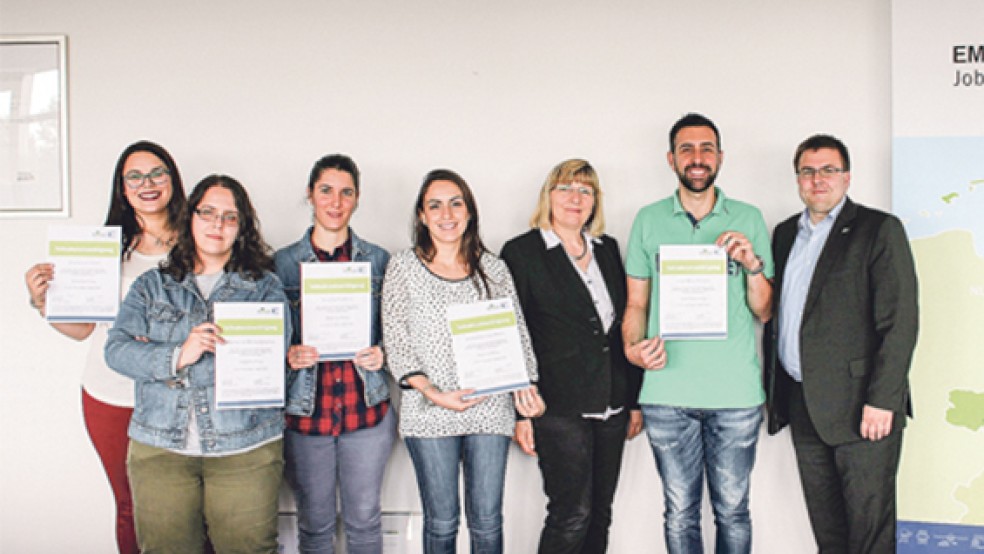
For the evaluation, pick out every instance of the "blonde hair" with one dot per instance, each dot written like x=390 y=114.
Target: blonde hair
x=570 y=171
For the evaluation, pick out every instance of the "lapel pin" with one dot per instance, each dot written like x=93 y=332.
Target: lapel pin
x=845 y=230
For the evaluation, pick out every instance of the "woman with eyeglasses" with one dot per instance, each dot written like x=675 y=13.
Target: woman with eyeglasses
x=571 y=285
x=445 y=429
x=193 y=467
x=147 y=200
x=340 y=425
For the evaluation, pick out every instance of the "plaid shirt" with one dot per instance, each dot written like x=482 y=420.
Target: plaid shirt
x=340 y=405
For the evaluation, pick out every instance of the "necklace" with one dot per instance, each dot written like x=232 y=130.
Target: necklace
x=158 y=241
x=584 y=251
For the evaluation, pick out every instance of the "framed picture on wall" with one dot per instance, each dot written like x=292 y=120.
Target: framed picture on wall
x=33 y=127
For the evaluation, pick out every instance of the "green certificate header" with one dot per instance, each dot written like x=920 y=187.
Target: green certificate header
x=239 y=327
x=84 y=248
x=483 y=323
x=693 y=267
x=337 y=285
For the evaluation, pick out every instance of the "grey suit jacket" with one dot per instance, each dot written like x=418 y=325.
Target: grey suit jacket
x=859 y=325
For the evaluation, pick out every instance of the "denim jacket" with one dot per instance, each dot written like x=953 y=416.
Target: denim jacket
x=302 y=384
x=164 y=311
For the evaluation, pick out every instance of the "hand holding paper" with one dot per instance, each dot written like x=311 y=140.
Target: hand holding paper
x=202 y=339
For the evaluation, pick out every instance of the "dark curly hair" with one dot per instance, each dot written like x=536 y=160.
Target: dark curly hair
x=251 y=256
x=471 y=248
x=121 y=212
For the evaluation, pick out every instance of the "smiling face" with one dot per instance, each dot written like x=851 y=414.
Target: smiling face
x=214 y=239
x=334 y=198
x=444 y=213
x=149 y=197
x=696 y=158
x=571 y=205
x=822 y=194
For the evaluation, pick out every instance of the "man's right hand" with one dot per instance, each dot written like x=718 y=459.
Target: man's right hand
x=647 y=353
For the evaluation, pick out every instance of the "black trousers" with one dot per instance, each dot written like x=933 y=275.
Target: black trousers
x=849 y=488
x=580 y=460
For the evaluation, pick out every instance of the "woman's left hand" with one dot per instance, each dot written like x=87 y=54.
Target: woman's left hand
x=635 y=424
x=529 y=403
x=370 y=359
x=523 y=435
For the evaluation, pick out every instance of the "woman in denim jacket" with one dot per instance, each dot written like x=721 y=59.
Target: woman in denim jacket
x=340 y=427
x=190 y=465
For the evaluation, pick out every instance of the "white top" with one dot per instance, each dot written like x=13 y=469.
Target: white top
x=100 y=382
x=417 y=339
x=593 y=279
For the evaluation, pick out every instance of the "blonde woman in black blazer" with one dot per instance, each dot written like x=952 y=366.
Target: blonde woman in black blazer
x=571 y=284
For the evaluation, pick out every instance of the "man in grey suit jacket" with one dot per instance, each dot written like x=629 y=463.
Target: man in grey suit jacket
x=839 y=351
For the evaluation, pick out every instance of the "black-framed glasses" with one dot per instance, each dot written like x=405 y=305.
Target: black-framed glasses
x=570 y=188
x=158 y=176
x=825 y=172
x=211 y=215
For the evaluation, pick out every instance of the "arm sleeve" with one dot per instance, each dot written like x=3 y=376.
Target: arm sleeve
x=136 y=359
x=759 y=235
x=402 y=362
x=895 y=314
x=377 y=324
x=633 y=373
x=509 y=289
x=637 y=262
x=518 y=269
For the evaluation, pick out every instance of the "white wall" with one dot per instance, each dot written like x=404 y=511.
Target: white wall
x=500 y=91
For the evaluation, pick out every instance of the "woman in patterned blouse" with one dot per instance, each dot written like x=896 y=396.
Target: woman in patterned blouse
x=444 y=428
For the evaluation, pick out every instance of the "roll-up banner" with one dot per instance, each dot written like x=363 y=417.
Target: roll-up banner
x=938 y=192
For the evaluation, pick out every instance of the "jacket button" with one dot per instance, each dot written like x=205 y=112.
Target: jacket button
x=604 y=349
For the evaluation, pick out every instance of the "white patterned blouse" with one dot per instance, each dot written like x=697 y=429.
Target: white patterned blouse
x=417 y=340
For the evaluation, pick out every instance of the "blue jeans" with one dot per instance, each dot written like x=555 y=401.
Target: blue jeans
x=436 y=462
x=350 y=466
x=689 y=442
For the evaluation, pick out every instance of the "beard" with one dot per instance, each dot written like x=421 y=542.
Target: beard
x=689 y=184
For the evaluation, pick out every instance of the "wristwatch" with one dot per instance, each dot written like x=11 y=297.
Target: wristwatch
x=759 y=269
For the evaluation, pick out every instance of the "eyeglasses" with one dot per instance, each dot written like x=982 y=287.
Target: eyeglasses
x=134 y=179
x=825 y=172
x=210 y=215
x=569 y=188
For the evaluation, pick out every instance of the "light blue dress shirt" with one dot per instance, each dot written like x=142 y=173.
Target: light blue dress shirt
x=800 y=267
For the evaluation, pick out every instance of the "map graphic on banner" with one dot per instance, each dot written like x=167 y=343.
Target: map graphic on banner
x=938 y=192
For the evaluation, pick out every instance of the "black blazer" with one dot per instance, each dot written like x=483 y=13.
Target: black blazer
x=582 y=369
x=859 y=325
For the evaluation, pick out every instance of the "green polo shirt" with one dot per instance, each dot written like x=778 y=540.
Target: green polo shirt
x=705 y=374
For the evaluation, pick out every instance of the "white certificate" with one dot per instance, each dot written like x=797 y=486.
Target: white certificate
x=249 y=367
x=693 y=292
x=86 y=287
x=487 y=351
x=336 y=308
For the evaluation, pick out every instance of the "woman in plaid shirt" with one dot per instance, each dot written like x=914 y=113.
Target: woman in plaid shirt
x=340 y=427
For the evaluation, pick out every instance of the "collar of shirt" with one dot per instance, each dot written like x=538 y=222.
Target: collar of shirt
x=720 y=204
x=342 y=253
x=806 y=225
x=552 y=240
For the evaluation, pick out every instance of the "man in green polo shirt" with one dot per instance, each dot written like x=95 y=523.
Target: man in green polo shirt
x=701 y=399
